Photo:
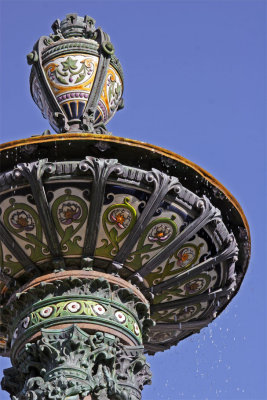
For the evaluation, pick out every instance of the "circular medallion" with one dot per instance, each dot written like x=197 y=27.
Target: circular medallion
x=98 y=309
x=120 y=317
x=136 y=329
x=73 y=307
x=46 y=312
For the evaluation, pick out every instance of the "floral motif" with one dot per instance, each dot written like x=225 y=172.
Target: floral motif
x=88 y=63
x=159 y=233
x=46 y=312
x=194 y=286
x=185 y=256
x=69 y=213
x=136 y=329
x=22 y=220
x=3 y=341
x=66 y=71
x=73 y=307
x=60 y=312
x=121 y=217
x=120 y=317
x=98 y=309
x=114 y=92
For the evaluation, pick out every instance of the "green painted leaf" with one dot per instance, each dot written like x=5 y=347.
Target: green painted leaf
x=69 y=64
x=80 y=78
x=113 y=235
x=33 y=239
x=111 y=90
x=68 y=234
x=61 y=80
x=118 y=90
x=144 y=249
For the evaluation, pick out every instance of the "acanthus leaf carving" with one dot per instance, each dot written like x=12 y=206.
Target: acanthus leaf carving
x=69 y=362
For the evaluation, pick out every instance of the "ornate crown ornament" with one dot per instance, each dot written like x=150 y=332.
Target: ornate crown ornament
x=109 y=247
x=76 y=80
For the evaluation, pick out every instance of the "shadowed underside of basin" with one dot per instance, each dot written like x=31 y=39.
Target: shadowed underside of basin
x=77 y=202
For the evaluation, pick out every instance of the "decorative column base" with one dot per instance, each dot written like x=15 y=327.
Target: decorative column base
x=77 y=337
x=70 y=364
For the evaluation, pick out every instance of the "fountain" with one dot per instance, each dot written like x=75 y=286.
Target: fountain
x=110 y=248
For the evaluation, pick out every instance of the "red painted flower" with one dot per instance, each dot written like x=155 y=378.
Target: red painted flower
x=121 y=217
x=185 y=256
x=159 y=233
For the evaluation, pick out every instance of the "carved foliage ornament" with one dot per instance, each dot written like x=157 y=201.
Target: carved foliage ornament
x=69 y=362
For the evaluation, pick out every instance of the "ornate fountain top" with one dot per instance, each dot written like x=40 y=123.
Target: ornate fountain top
x=76 y=80
x=74 y=26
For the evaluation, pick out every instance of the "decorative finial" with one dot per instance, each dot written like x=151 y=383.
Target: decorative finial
x=76 y=80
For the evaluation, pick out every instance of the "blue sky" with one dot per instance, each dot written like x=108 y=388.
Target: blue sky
x=195 y=84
